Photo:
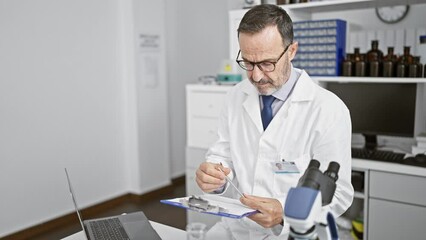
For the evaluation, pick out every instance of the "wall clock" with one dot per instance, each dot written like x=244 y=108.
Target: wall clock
x=392 y=14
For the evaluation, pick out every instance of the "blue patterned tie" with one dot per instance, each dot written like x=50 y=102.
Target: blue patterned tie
x=267 y=110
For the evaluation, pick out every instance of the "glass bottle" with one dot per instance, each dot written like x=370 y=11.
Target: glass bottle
x=389 y=62
x=413 y=68
x=374 y=54
x=401 y=70
x=374 y=68
x=403 y=63
x=347 y=66
x=419 y=66
x=196 y=231
x=406 y=58
x=374 y=58
x=424 y=72
x=359 y=63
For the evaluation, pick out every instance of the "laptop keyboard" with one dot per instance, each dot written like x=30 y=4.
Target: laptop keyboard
x=108 y=229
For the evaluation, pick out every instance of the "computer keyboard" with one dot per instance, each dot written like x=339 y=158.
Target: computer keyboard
x=378 y=155
x=108 y=229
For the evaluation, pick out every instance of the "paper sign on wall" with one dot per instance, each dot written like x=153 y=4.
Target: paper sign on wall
x=149 y=58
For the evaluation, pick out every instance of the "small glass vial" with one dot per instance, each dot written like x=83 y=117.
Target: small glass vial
x=347 y=66
x=196 y=231
x=359 y=64
x=360 y=67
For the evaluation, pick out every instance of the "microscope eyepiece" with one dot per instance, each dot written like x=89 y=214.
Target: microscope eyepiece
x=314 y=164
x=332 y=170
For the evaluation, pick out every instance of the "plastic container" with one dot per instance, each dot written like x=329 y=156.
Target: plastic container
x=229 y=72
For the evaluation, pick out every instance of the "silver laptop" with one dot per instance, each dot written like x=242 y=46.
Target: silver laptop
x=128 y=226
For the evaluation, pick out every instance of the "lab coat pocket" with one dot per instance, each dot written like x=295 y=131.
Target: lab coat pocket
x=284 y=181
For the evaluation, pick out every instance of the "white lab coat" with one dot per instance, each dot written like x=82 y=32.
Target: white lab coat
x=312 y=124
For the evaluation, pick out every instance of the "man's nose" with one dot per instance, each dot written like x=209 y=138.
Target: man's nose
x=257 y=74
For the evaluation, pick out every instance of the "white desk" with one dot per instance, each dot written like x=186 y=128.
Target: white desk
x=165 y=232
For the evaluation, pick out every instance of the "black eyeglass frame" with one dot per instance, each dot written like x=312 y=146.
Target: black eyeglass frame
x=258 y=64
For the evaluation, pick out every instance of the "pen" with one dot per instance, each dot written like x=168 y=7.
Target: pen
x=230 y=182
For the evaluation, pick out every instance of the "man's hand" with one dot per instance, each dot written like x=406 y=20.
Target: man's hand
x=209 y=176
x=270 y=210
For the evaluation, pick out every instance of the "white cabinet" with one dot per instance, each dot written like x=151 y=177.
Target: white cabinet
x=393 y=220
x=397 y=206
x=394 y=200
x=203 y=103
x=398 y=187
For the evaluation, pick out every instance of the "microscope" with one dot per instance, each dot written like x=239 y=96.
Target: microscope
x=306 y=209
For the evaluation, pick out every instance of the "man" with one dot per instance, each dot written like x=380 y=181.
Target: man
x=308 y=123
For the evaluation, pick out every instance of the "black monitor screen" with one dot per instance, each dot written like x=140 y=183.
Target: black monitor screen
x=379 y=108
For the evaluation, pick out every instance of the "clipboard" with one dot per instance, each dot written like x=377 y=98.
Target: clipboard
x=212 y=204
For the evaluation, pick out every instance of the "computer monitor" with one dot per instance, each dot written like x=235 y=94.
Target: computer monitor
x=379 y=108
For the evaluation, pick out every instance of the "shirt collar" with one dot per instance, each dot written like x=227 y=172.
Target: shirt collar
x=285 y=91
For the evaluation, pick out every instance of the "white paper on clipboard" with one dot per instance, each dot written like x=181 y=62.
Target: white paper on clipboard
x=233 y=207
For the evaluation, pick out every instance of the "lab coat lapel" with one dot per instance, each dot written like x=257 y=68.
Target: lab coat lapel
x=251 y=105
x=303 y=91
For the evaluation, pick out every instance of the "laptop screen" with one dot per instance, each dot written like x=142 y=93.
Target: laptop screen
x=75 y=203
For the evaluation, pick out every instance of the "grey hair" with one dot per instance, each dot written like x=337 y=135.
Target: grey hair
x=265 y=15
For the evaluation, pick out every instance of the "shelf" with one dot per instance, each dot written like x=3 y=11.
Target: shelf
x=339 y=5
x=369 y=80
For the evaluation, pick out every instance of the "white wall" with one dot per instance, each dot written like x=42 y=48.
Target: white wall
x=152 y=98
x=68 y=99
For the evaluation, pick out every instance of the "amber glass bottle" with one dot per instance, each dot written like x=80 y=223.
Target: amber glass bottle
x=347 y=65
x=403 y=63
x=389 y=62
x=424 y=71
x=413 y=68
x=419 y=66
x=374 y=59
x=359 y=64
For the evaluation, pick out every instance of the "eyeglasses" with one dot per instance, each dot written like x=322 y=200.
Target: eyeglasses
x=265 y=66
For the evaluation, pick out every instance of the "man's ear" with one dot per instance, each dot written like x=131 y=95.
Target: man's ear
x=292 y=50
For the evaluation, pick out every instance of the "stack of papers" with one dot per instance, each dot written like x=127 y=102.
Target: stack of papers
x=221 y=206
